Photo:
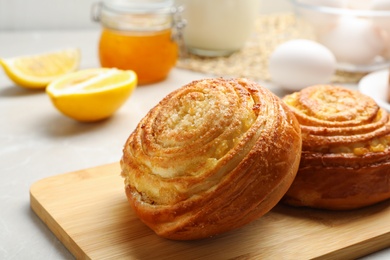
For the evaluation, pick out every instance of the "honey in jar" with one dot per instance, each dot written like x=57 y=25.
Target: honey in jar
x=137 y=35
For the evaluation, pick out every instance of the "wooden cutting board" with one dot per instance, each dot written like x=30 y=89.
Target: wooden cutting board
x=87 y=210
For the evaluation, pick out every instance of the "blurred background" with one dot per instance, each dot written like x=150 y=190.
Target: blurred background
x=71 y=14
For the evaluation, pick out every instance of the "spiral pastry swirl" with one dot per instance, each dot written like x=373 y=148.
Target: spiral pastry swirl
x=210 y=157
x=345 y=161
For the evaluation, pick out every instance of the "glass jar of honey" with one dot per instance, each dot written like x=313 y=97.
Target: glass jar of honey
x=138 y=35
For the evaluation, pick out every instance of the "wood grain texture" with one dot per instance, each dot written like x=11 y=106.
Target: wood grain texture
x=88 y=211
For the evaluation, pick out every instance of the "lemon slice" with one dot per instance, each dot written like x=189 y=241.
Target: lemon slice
x=37 y=71
x=92 y=94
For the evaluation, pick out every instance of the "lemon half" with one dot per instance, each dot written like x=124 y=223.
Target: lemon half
x=92 y=94
x=37 y=71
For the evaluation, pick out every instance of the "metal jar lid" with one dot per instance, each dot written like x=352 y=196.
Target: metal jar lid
x=135 y=15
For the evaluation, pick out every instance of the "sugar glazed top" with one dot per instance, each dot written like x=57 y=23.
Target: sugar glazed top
x=340 y=121
x=212 y=143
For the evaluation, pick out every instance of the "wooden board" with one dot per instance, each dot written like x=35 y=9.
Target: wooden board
x=88 y=211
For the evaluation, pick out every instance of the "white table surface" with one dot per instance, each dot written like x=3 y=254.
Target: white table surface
x=36 y=141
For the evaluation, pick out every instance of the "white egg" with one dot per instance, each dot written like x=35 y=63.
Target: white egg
x=381 y=21
x=359 y=4
x=321 y=21
x=380 y=5
x=329 y=3
x=354 y=40
x=297 y=64
x=386 y=40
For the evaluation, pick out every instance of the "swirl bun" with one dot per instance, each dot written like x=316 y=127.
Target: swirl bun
x=345 y=160
x=212 y=156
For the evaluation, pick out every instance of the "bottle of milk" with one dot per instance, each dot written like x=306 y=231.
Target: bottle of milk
x=218 y=27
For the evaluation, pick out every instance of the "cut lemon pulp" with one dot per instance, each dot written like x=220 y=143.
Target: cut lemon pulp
x=37 y=71
x=92 y=94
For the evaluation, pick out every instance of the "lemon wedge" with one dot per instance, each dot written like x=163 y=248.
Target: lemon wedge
x=92 y=94
x=37 y=71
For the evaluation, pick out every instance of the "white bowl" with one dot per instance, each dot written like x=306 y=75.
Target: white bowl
x=359 y=38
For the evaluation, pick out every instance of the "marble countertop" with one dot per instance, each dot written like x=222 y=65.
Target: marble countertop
x=36 y=141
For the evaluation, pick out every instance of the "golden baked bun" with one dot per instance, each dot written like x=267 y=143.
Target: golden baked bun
x=212 y=156
x=345 y=161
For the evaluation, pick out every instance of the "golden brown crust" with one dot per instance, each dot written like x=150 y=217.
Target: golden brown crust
x=388 y=87
x=345 y=149
x=210 y=157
